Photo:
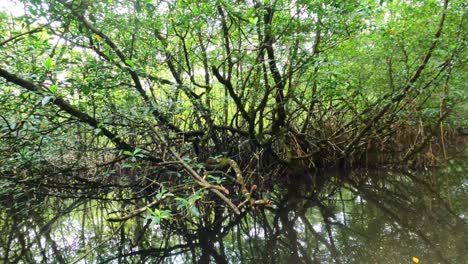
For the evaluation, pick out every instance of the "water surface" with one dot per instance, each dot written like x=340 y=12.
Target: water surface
x=360 y=217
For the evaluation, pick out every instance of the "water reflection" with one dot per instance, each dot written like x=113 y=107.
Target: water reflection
x=360 y=217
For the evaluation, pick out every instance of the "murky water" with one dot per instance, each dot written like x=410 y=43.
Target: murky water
x=359 y=217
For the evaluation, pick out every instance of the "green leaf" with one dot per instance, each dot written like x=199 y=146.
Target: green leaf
x=216 y=179
x=253 y=20
x=151 y=212
x=161 y=193
x=194 y=198
x=182 y=202
x=166 y=214
x=130 y=63
x=53 y=88
x=128 y=166
x=187 y=159
x=49 y=63
x=85 y=89
x=128 y=153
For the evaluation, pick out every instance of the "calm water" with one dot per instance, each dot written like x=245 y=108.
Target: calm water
x=360 y=217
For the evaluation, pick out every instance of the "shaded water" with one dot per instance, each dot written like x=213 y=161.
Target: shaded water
x=360 y=217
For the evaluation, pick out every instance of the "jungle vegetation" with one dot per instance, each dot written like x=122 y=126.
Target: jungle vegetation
x=199 y=109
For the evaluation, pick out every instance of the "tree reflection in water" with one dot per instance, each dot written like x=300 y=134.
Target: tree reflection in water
x=359 y=217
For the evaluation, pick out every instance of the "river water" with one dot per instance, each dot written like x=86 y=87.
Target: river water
x=385 y=216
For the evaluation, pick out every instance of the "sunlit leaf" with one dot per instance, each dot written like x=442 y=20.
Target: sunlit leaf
x=130 y=63
x=53 y=88
x=253 y=20
x=48 y=63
